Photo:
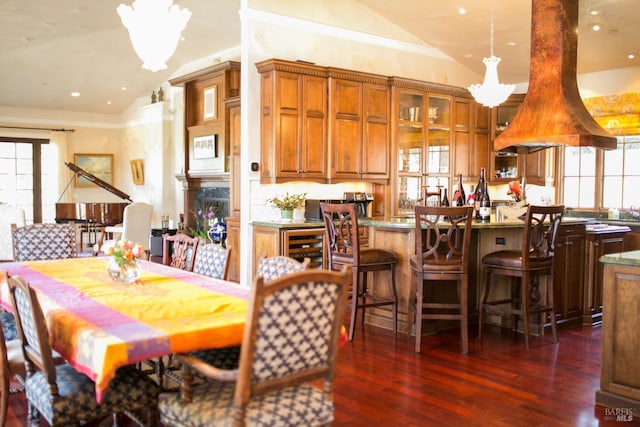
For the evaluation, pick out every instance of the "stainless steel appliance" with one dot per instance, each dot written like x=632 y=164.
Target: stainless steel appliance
x=362 y=201
x=312 y=212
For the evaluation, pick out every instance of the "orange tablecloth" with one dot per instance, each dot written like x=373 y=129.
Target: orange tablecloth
x=98 y=325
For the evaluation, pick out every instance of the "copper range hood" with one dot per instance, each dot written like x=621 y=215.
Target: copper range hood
x=552 y=112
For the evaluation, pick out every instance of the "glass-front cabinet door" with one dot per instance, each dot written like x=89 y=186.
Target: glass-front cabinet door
x=423 y=141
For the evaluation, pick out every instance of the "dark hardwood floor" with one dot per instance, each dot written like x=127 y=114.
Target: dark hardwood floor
x=381 y=382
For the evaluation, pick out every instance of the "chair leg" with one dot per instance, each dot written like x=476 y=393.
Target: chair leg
x=419 y=300
x=524 y=304
x=355 y=291
x=4 y=400
x=552 y=313
x=464 y=313
x=483 y=299
x=394 y=309
x=365 y=289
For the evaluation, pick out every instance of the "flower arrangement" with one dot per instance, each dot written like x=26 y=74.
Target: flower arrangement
x=124 y=251
x=515 y=190
x=202 y=218
x=289 y=201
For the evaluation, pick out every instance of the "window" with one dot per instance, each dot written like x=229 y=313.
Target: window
x=595 y=178
x=622 y=174
x=25 y=180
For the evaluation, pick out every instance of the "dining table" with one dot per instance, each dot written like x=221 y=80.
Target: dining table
x=99 y=325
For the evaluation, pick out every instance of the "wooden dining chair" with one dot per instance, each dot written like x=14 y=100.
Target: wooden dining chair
x=269 y=268
x=59 y=393
x=11 y=366
x=212 y=260
x=179 y=250
x=290 y=341
x=342 y=240
x=35 y=242
x=533 y=261
x=442 y=238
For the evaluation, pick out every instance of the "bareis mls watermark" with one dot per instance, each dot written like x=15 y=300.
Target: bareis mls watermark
x=619 y=414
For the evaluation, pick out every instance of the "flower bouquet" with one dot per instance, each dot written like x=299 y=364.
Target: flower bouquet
x=288 y=203
x=123 y=265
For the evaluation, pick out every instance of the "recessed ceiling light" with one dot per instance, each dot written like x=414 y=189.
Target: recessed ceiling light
x=593 y=12
x=75 y=94
x=631 y=56
x=462 y=11
x=123 y=88
x=596 y=27
x=108 y=102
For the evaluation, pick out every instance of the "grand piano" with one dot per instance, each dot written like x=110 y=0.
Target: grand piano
x=94 y=215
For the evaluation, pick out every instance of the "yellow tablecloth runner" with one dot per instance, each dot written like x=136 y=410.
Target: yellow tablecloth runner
x=99 y=325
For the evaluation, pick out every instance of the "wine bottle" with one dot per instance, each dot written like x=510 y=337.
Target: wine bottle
x=461 y=198
x=472 y=197
x=480 y=188
x=445 y=199
x=485 y=205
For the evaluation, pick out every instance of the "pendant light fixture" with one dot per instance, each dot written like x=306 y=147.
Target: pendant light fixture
x=154 y=27
x=491 y=92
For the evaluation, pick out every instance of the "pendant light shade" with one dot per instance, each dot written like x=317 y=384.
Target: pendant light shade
x=154 y=27
x=491 y=92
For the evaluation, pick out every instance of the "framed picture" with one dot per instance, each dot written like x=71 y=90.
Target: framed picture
x=210 y=101
x=205 y=147
x=137 y=172
x=99 y=165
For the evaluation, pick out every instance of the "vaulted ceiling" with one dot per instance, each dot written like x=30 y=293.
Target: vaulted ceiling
x=51 y=48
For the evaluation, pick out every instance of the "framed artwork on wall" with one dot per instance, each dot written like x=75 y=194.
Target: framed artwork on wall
x=137 y=171
x=99 y=165
x=205 y=147
x=210 y=101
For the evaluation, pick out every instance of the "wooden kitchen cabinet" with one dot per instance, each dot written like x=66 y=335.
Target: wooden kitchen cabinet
x=506 y=166
x=359 y=126
x=599 y=243
x=471 y=138
x=293 y=122
x=568 y=274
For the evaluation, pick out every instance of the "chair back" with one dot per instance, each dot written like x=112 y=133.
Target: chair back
x=43 y=241
x=32 y=328
x=9 y=215
x=292 y=332
x=342 y=238
x=212 y=260
x=432 y=197
x=442 y=239
x=136 y=223
x=179 y=250
x=270 y=268
x=540 y=232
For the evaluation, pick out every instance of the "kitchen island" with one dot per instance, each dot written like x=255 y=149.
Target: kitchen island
x=397 y=234
x=619 y=373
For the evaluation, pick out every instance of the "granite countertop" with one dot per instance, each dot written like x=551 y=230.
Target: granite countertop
x=631 y=258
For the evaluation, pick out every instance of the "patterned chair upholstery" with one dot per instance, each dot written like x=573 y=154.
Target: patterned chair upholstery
x=212 y=260
x=59 y=393
x=290 y=340
x=270 y=268
x=44 y=241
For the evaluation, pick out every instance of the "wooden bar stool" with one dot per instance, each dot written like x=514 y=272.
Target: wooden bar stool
x=343 y=248
x=533 y=261
x=442 y=239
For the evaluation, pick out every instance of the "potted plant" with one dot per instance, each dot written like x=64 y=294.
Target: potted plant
x=288 y=203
